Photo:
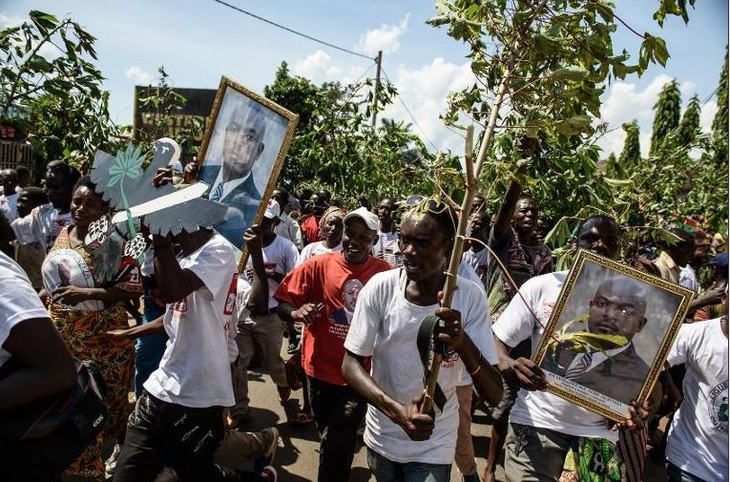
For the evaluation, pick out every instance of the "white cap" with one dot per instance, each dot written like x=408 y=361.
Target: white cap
x=371 y=219
x=272 y=210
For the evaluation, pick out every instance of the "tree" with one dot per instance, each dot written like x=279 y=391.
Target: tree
x=163 y=102
x=58 y=97
x=335 y=148
x=541 y=66
x=689 y=126
x=666 y=114
x=631 y=153
x=720 y=121
x=613 y=169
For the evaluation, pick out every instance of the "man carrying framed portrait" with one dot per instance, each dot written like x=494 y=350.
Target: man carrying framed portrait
x=543 y=426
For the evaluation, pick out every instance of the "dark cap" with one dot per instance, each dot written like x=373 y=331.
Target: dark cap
x=719 y=261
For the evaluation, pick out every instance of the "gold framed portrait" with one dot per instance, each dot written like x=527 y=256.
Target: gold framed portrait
x=609 y=335
x=242 y=155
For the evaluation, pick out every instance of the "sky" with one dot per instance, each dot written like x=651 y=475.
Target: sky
x=198 y=41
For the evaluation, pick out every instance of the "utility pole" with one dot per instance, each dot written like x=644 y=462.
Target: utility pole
x=378 y=62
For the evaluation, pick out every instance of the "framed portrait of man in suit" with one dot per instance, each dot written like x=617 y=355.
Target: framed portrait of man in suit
x=609 y=334
x=242 y=155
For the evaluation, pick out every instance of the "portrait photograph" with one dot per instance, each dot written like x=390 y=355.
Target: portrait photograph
x=242 y=155
x=609 y=335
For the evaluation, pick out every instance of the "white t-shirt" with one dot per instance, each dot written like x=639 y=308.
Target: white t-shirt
x=477 y=260
x=688 y=278
x=538 y=408
x=9 y=206
x=195 y=368
x=289 y=229
x=385 y=326
x=281 y=255
x=384 y=239
x=41 y=227
x=698 y=437
x=18 y=301
x=315 y=249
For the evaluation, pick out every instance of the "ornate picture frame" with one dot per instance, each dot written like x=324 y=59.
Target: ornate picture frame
x=609 y=335
x=242 y=155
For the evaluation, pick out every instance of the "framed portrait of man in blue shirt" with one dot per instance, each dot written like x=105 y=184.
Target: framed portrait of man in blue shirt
x=242 y=155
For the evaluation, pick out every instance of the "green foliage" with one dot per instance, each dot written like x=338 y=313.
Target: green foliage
x=672 y=7
x=689 y=126
x=681 y=177
x=542 y=66
x=59 y=96
x=631 y=153
x=163 y=103
x=335 y=147
x=720 y=121
x=666 y=114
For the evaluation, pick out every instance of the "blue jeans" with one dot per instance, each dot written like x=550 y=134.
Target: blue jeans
x=386 y=470
x=148 y=349
x=675 y=474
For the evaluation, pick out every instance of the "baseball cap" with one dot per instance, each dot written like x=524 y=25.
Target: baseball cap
x=272 y=209
x=371 y=219
x=720 y=261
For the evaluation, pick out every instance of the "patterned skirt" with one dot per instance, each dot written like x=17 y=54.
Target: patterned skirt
x=85 y=335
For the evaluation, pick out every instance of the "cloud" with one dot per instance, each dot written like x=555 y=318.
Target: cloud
x=7 y=22
x=318 y=68
x=707 y=115
x=626 y=103
x=425 y=91
x=385 y=38
x=138 y=75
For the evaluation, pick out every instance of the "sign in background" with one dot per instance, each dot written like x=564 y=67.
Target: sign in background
x=199 y=103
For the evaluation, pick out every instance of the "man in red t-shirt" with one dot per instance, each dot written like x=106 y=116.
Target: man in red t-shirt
x=321 y=293
x=310 y=224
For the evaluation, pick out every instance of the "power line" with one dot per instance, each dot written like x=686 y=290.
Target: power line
x=710 y=97
x=291 y=30
x=413 y=118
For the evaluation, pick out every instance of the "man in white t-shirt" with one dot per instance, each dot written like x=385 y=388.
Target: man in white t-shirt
x=387 y=238
x=42 y=226
x=27 y=334
x=263 y=332
x=287 y=228
x=476 y=256
x=178 y=419
x=542 y=425
x=9 y=198
x=402 y=442
x=697 y=447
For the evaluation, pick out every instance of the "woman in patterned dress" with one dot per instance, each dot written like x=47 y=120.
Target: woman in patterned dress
x=86 y=285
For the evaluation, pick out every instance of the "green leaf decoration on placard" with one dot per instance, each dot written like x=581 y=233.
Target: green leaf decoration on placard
x=582 y=340
x=127 y=164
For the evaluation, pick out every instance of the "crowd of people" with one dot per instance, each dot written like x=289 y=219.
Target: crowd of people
x=355 y=290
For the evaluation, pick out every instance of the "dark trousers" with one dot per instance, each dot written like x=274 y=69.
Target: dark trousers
x=338 y=412
x=164 y=434
x=40 y=460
